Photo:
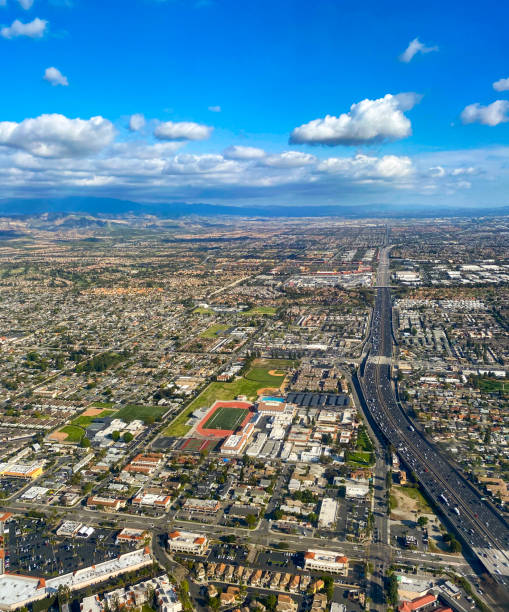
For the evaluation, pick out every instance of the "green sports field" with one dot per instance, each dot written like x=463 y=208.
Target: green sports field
x=256 y=378
x=226 y=418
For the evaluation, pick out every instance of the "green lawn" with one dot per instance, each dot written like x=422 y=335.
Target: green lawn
x=74 y=433
x=201 y=310
x=256 y=378
x=363 y=441
x=214 y=391
x=131 y=412
x=261 y=376
x=492 y=385
x=261 y=310
x=226 y=418
x=84 y=421
x=360 y=458
x=213 y=330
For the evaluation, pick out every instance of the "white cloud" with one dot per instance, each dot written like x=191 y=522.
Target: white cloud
x=463 y=171
x=136 y=122
x=501 y=85
x=26 y=4
x=32 y=29
x=289 y=159
x=437 y=171
x=57 y=136
x=415 y=46
x=215 y=109
x=240 y=152
x=183 y=130
x=55 y=77
x=493 y=114
x=368 y=121
x=367 y=167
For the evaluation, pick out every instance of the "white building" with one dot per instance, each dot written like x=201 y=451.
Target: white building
x=185 y=541
x=328 y=512
x=357 y=489
x=326 y=561
x=17 y=591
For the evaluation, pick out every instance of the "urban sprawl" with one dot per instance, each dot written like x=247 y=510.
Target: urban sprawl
x=241 y=414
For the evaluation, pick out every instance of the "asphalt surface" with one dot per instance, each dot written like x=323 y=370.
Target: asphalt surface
x=477 y=523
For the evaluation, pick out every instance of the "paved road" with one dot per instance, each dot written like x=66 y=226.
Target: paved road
x=478 y=524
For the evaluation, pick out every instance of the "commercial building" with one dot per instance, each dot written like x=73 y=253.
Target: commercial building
x=69 y=529
x=421 y=604
x=131 y=535
x=144 y=464
x=356 y=489
x=107 y=503
x=17 y=591
x=328 y=511
x=204 y=506
x=326 y=561
x=21 y=470
x=152 y=500
x=185 y=541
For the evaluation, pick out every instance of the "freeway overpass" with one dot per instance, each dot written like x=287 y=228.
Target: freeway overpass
x=479 y=526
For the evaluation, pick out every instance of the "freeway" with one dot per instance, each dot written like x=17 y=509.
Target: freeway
x=477 y=523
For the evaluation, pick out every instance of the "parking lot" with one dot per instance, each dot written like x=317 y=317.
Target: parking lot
x=10 y=486
x=352 y=519
x=32 y=549
x=234 y=554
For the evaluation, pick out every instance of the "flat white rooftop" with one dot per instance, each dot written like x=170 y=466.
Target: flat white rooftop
x=16 y=590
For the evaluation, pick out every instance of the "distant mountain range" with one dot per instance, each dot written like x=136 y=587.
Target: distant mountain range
x=112 y=207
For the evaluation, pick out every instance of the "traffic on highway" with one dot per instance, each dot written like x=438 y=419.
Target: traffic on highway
x=476 y=522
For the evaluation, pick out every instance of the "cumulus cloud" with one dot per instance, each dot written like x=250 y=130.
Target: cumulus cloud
x=289 y=159
x=136 y=122
x=57 y=136
x=26 y=4
x=415 y=46
x=215 y=109
x=182 y=130
x=55 y=77
x=32 y=29
x=501 y=85
x=368 y=167
x=240 y=152
x=367 y=122
x=493 y=114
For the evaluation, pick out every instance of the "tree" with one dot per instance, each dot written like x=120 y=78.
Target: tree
x=229 y=539
x=454 y=545
x=329 y=586
x=422 y=521
x=63 y=594
x=85 y=442
x=251 y=520
x=115 y=435
x=393 y=590
x=271 y=602
x=127 y=437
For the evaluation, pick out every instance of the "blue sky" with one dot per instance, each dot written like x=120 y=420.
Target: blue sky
x=291 y=102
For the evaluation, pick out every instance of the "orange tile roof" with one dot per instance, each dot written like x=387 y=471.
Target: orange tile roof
x=417 y=604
